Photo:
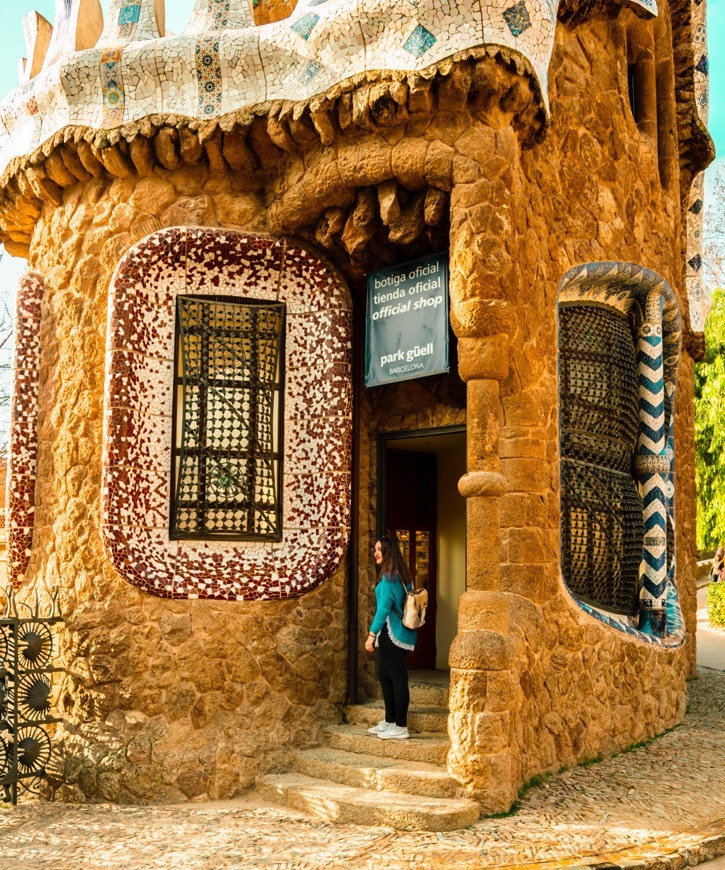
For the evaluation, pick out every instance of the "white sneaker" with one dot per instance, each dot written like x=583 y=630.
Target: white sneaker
x=380 y=727
x=395 y=732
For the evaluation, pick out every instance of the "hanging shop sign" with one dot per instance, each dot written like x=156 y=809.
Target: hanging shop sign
x=406 y=328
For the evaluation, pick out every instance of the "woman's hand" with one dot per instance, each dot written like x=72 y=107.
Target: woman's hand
x=370 y=643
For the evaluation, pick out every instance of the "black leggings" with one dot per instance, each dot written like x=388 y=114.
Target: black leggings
x=393 y=676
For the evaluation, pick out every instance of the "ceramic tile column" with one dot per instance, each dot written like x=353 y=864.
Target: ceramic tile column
x=653 y=467
x=23 y=446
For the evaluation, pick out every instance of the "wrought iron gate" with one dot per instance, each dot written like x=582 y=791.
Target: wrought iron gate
x=26 y=669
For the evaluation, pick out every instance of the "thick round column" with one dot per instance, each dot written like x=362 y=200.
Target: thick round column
x=484 y=685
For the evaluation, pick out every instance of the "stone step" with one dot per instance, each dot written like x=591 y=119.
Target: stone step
x=424 y=693
x=377 y=773
x=420 y=718
x=426 y=747
x=350 y=805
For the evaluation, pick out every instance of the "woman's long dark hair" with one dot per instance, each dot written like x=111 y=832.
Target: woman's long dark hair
x=393 y=562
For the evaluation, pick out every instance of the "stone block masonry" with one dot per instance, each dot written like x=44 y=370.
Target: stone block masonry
x=172 y=699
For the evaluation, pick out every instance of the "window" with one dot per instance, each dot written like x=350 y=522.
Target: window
x=226 y=456
x=602 y=510
x=632 y=90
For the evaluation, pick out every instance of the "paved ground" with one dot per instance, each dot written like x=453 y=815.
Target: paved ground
x=710 y=641
x=660 y=807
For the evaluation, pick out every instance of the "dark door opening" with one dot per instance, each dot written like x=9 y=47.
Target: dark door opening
x=419 y=500
x=411 y=513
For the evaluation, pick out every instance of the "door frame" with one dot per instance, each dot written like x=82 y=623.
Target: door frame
x=383 y=440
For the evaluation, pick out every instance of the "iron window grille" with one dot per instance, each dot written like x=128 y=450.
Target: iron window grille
x=602 y=510
x=228 y=418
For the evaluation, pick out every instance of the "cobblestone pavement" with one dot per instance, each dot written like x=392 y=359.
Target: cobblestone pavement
x=653 y=807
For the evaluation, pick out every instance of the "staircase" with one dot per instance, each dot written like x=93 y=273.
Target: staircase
x=357 y=778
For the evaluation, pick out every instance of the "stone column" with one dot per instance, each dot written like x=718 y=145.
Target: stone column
x=652 y=466
x=483 y=653
x=483 y=363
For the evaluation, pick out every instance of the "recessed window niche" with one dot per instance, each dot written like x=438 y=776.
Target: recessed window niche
x=192 y=262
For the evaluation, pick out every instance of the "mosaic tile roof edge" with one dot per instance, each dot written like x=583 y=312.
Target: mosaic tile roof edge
x=210 y=71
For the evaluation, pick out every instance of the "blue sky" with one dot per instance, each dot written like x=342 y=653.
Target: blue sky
x=716 y=33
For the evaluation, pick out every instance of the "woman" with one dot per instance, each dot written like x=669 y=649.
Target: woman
x=716 y=570
x=392 y=638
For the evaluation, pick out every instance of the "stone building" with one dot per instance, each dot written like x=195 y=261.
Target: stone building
x=197 y=464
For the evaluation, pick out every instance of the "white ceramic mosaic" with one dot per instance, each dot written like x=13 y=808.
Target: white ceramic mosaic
x=222 y=62
x=23 y=447
x=138 y=415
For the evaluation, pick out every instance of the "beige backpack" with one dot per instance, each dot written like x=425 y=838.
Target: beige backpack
x=414 y=609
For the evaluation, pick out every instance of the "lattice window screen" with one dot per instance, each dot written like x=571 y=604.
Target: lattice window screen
x=228 y=416
x=602 y=521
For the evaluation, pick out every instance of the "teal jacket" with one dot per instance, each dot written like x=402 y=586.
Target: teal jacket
x=390 y=600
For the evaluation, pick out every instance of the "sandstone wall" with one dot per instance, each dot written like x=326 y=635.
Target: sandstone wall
x=369 y=176
x=163 y=700
x=530 y=671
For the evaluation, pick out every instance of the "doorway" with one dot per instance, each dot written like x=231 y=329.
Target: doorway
x=419 y=501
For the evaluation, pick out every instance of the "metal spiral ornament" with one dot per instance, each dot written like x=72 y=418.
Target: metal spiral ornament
x=4 y=758
x=26 y=690
x=34 y=692
x=4 y=645
x=33 y=747
x=35 y=644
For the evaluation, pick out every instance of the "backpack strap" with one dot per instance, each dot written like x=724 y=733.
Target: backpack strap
x=405 y=589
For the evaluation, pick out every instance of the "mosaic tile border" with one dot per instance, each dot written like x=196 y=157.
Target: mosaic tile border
x=319 y=46
x=214 y=16
x=619 y=285
x=675 y=622
x=698 y=295
x=23 y=447
x=138 y=407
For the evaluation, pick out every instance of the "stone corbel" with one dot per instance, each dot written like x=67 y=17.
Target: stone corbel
x=482 y=484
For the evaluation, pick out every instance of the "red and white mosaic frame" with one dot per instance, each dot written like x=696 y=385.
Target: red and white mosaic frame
x=135 y=500
x=23 y=446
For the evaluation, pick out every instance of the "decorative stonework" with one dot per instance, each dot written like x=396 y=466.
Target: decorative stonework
x=77 y=26
x=138 y=415
x=23 y=447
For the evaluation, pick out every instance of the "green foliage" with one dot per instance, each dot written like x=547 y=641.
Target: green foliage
x=511 y=811
x=710 y=430
x=536 y=780
x=589 y=761
x=716 y=604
